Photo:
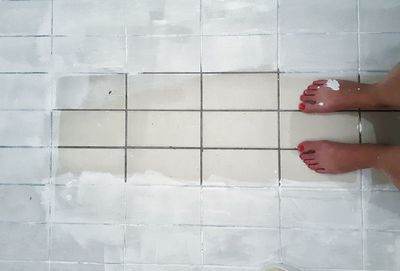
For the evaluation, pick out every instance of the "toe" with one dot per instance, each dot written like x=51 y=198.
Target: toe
x=309 y=147
x=307 y=157
x=315 y=107
x=310 y=92
x=319 y=82
x=307 y=99
x=314 y=166
x=313 y=87
x=321 y=170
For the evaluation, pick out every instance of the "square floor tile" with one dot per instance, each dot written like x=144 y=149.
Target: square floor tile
x=18 y=266
x=296 y=174
x=24 y=128
x=240 y=247
x=34 y=162
x=164 y=91
x=157 y=267
x=164 y=129
x=89 y=54
x=87 y=243
x=309 y=16
x=163 y=205
x=88 y=166
x=168 y=244
x=240 y=91
x=88 y=204
x=372 y=77
x=381 y=210
x=297 y=127
x=160 y=17
x=15 y=245
x=329 y=249
x=292 y=85
x=22 y=203
x=85 y=267
x=90 y=17
x=379 y=52
x=25 y=91
x=240 y=207
x=339 y=53
x=380 y=127
x=89 y=128
x=321 y=209
x=239 y=17
x=163 y=54
x=239 y=53
x=90 y=92
x=164 y=166
x=376 y=180
x=25 y=54
x=240 y=167
x=379 y=16
x=240 y=129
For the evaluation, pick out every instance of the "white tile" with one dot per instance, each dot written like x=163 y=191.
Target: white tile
x=379 y=52
x=239 y=53
x=164 y=91
x=22 y=203
x=88 y=204
x=379 y=16
x=297 y=127
x=89 y=54
x=25 y=54
x=90 y=92
x=240 y=129
x=298 y=52
x=36 y=17
x=240 y=167
x=372 y=77
x=382 y=250
x=243 y=207
x=25 y=91
x=164 y=129
x=157 y=267
x=160 y=17
x=163 y=205
x=240 y=247
x=89 y=128
x=25 y=242
x=320 y=209
x=292 y=85
x=167 y=244
x=85 y=267
x=87 y=243
x=296 y=174
x=88 y=166
x=163 y=54
x=381 y=127
x=240 y=91
x=223 y=268
x=381 y=210
x=322 y=248
x=24 y=128
x=163 y=166
x=34 y=162
x=239 y=17
x=376 y=180
x=323 y=16
x=24 y=266
x=90 y=17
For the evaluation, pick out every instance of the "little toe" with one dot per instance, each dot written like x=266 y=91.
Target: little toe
x=313 y=87
x=321 y=170
x=310 y=91
x=319 y=82
x=314 y=166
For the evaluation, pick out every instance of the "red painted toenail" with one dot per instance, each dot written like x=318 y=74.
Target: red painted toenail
x=300 y=148
x=302 y=106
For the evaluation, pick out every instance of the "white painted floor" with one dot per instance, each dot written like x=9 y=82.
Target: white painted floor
x=160 y=135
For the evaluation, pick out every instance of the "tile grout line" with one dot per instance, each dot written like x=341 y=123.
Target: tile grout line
x=125 y=196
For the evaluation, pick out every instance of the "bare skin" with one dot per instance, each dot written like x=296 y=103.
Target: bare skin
x=329 y=157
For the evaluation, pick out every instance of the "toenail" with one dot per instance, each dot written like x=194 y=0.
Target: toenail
x=302 y=106
x=300 y=148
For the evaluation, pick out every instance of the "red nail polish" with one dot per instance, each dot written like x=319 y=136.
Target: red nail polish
x=302 y=106
x=300 y=148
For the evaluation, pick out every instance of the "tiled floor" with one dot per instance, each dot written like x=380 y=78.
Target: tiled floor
x=160 y=135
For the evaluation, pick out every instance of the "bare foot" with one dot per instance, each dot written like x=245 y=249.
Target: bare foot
x=334 y=158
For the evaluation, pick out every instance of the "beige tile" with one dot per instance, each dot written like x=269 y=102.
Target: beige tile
x=240 y=167
x=88 y=166
x=292 y=85
x=89 y=128
x=164 y=91
x=90 y=92
x=240 y=91
x=381 y=127
x=163 y=166
x=297 y=127
x=165 y=129
x=296 y=174
x=240 y=129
